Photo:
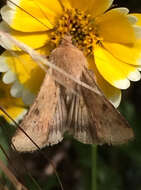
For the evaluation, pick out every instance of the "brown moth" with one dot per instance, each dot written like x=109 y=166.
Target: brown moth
x=70 y=107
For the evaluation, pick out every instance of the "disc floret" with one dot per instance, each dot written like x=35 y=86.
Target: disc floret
x=80 y=26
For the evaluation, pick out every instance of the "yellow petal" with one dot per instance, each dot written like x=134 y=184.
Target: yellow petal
x=24 y=69
x=99 y=6
x=137 y=27
x=113 y=70
x=33 y=39
x=130 y=54
x=24 y=73
x=81 y=4
x=138 y=17
x=65 y=4
x=111 y=93
x=31 y=16
x=94 y=7
x=13 y=106
x=116 y=26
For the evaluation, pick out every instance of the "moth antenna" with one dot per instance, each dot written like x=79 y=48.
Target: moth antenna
x=55 y=171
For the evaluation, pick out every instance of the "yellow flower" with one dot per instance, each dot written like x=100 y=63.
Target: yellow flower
x=109 y=38
x=14 y=106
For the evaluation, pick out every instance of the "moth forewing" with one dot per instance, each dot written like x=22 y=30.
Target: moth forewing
x=44 y=121
x=110 y=126
x=86 y=114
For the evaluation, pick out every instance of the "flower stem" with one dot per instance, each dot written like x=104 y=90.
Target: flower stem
x=94 y=169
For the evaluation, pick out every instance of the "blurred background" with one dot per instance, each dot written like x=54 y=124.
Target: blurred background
x=118 y=167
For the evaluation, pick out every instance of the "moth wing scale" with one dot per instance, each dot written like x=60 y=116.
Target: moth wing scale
x=45 y=121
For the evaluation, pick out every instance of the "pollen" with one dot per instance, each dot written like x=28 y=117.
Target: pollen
x=80 y=26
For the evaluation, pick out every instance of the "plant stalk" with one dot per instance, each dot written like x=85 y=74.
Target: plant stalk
x=94 y=167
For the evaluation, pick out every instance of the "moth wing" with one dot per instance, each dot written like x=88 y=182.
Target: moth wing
x=79 y=124
x=45 y=121
x=108 y=125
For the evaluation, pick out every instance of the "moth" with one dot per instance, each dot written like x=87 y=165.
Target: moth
x=66 y=106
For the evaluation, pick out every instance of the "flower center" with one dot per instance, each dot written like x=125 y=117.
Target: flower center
x=80 y=26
